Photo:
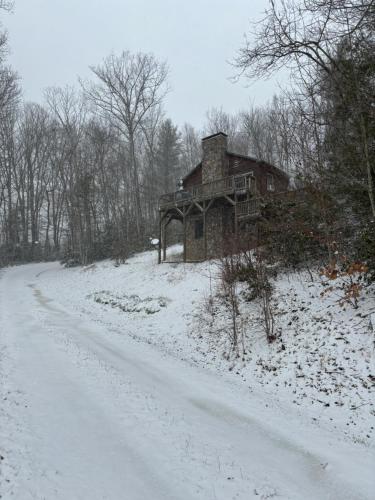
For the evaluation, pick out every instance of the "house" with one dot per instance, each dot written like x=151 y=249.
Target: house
x=219 y=201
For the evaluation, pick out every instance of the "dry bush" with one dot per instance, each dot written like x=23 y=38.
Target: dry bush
x=251 y=269
x=229 y=287
x=348 y=279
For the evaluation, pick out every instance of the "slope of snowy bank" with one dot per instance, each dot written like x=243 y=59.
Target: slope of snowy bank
x=120 y=380
x=324 y=367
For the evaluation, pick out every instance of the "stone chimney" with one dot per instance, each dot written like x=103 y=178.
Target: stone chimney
x=214 y=164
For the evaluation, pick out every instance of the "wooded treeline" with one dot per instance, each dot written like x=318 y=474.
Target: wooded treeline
x=81 y=174
x=328 y=47
x=81 y=181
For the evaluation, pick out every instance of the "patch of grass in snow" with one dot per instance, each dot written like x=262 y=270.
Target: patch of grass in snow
x=130 y=303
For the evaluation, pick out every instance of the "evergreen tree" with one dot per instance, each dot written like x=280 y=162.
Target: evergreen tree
x=168 y=152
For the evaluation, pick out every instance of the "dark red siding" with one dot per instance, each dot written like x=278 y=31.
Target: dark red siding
x=194 y=178
x=241 y=165
x=238 y=165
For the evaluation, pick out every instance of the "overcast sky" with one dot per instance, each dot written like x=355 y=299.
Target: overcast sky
x=54 y=41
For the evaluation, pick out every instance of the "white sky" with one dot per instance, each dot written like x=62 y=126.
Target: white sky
x=54 y=41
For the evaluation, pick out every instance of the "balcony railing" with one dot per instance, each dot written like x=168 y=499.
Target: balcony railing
x=249 y=208
x=217 y=187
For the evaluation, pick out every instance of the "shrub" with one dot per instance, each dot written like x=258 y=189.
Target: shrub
x=364 y=246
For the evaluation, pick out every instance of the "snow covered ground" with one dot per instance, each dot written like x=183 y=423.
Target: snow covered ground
x=116 y=383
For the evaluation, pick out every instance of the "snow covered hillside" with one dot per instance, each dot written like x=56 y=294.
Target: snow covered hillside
x=121 y=378
x=327 y=364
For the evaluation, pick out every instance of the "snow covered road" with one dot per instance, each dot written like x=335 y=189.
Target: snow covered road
x=91 y=415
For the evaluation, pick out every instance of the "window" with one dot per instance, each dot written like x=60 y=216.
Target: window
x=270 y=183
x=198 y=229
x=236 y=163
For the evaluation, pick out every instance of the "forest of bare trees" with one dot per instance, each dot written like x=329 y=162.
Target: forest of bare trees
x=81 y=173
x=328 y=47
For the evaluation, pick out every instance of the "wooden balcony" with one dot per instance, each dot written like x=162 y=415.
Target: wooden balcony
x=235 y=184
x=248 y=209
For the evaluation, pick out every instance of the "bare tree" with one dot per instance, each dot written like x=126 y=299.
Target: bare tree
x=6 y=4
x=129 y=87
x=191 y=148
x=8 y=236
x=34 y=151
x=296 y=31
x=9 y=88
x=220 y=121
x=259 y=133
x=304 y=36
x=70 y=114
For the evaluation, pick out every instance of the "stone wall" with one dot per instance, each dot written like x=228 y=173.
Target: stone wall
x=195 y=248
x=214 y=228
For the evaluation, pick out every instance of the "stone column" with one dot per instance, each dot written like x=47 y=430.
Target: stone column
x=214 y=162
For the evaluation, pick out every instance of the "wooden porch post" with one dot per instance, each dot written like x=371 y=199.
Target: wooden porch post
x=205 y=231
x=164 y=239
x=160 y=235
x=235 y=217
x=184 y=223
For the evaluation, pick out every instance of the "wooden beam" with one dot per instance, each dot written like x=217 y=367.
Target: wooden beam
x=209 y=205
x=197 y=205
x=230 y=200
x=189 y=209
x=179 y=211
x=164 y=215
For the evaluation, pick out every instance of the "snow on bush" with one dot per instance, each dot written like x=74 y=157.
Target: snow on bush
x=130 y=303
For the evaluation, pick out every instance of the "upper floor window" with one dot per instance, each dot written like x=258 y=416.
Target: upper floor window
x=236 y=163
x=270 y=182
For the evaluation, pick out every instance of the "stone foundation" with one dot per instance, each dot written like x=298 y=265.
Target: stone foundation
x=195 y=242
x=194 y=246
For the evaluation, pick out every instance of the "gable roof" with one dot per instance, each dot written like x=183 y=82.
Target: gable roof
x=192 y=171
x=244 y=157
x=214 y=135
x=259 y=162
